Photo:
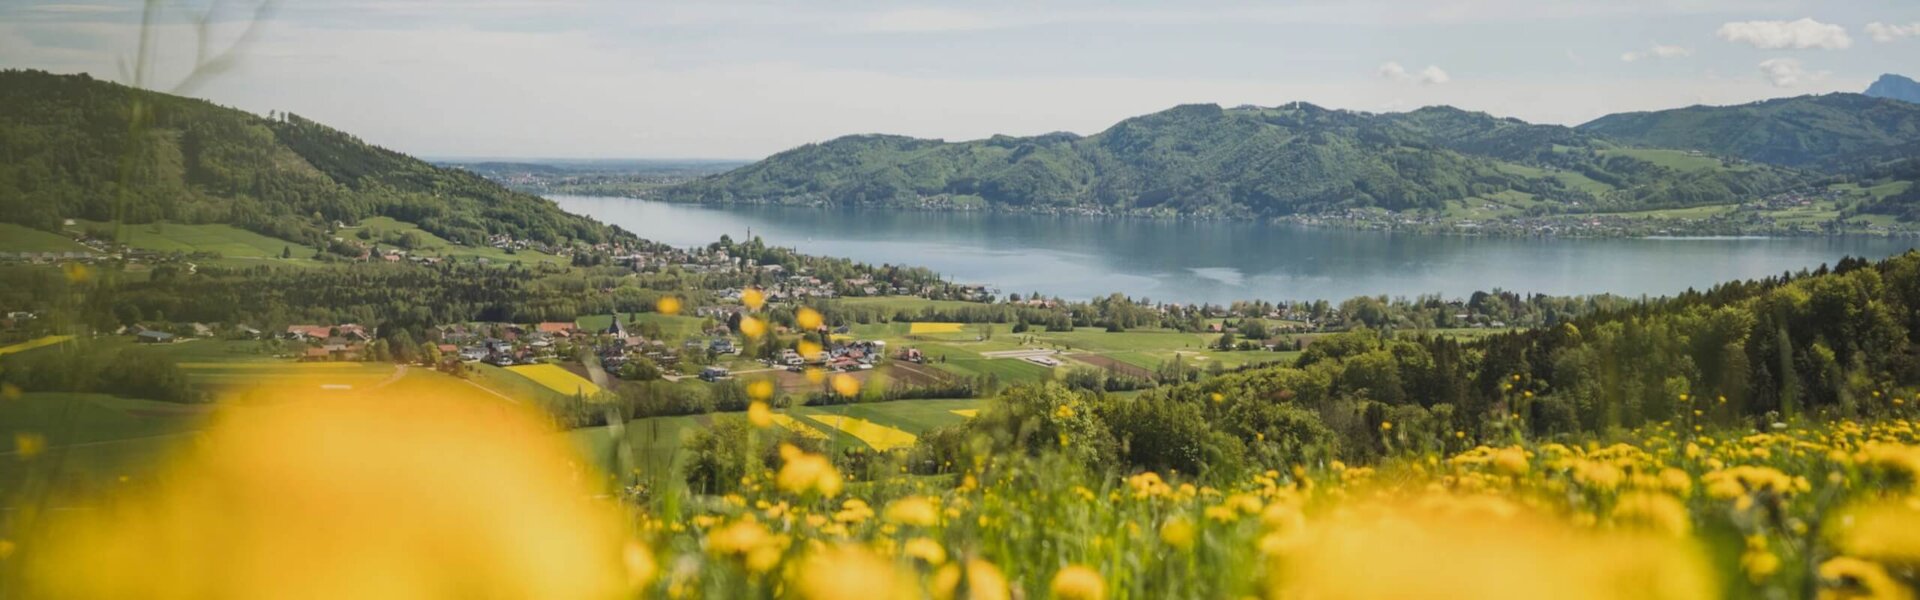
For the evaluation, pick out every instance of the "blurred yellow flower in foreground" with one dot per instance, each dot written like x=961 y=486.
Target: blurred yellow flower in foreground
x=760 y=389
x=926 y=550
x=805 y=472
x=851 y=572
x=1446 y=549
x=846 y=385
x=753 y=327
x=808 y=319
x=1079 y=583
x=753 y=298
x=1884 y=531
x=423 y=494
x=913 y=510
x=982 y=581
x=759 y=415
x=668 y=305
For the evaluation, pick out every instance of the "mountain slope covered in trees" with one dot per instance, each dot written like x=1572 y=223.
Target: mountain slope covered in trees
x=1203 y=159
x=1832 y=131
x=67 y=142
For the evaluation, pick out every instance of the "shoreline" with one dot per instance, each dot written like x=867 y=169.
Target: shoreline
x=1599 y=225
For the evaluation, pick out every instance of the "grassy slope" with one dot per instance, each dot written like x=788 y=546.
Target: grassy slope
x=229 y=241
x=20 y=238
x=433 y=245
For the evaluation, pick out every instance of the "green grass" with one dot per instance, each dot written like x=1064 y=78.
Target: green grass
x=655 y=444
x=1572 y=179
x=511 y=384
x=1678 y=160
x=433 y=245
x=228 y=241
x=91 y=441
x=1692 y=212
x=20 y=238
x=911 y=416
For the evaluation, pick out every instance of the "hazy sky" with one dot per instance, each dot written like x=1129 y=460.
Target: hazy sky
x=743 y=79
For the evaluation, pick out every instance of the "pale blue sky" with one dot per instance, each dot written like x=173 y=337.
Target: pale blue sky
x=742 y=79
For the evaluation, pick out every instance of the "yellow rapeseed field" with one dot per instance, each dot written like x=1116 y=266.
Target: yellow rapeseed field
x=557 y=379
x=930 y=328
x=794 y=425
x=880 y=437
x=34 y=343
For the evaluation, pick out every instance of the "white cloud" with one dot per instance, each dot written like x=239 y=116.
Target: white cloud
x=1787 y=72
x=1802 y=34
x=1883 y=32
x=1657 y=51
x=1432 y=75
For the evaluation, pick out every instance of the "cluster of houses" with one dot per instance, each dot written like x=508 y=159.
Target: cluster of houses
x=837 y=356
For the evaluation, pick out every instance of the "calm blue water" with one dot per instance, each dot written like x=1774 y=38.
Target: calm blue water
x=1215 y=261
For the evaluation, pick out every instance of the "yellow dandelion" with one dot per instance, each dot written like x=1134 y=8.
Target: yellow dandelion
x=759 y=415
x=850 y=572
x=640 y=565
x=917 y=511
x=753 y=327
x=1076 y=582
x=926 y=551
x=760 y=390
x=806 y=473
x=846 y=385
x=667 y=306
x=808 y=319
x=981 y=581
x=1849 y=577
x=753 y=298
x=1177 y=532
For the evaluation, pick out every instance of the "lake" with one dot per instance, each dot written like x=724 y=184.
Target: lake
x=1079 y=257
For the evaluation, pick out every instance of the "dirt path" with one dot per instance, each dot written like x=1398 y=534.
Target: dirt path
x=489 y=390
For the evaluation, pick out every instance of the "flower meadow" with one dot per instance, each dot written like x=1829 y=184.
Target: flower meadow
x=342 y=499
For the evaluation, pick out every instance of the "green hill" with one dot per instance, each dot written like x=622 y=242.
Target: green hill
x=67 y=142
x=1203 y=159
x=1829 y=132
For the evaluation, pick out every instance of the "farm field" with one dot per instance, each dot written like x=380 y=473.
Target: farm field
x=34 y=343
x=235 y=246
x=656 y=443
x=955 y=348
x=433 y=245
x=89 y=441
x=20 y=238
x=557 y=379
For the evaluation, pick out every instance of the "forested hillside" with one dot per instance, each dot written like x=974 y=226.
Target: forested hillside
x=66 y=146
x=1832 y=131
x=1828 y=344
x=1204 y=159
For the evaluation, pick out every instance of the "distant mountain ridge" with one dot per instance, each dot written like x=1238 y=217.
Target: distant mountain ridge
x=1295 y=158
x=1827 y=132
x=1895 y=87
x=66 y=139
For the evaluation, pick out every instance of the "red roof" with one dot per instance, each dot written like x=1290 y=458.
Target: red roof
x=312 y=331
x=556 y=327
